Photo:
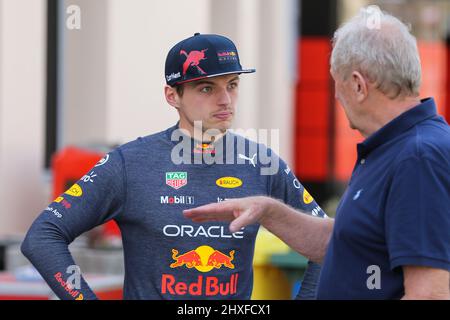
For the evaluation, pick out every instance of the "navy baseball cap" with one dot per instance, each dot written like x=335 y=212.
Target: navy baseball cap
x=202 y=56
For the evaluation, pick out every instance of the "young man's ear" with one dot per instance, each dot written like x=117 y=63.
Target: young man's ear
x=360 y=86
x=171 y=96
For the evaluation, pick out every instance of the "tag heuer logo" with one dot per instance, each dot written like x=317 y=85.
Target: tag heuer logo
x=176 y=179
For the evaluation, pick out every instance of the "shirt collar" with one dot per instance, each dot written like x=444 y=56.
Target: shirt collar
x=427 y=109
x=197 y=146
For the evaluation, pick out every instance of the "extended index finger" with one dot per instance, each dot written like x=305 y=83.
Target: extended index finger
x=222 y=211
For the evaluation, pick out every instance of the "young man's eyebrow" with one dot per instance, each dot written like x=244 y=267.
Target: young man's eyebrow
x=201 y=82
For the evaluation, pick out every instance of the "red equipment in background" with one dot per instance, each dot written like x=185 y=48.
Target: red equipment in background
x=324 y=144
x=68 y=166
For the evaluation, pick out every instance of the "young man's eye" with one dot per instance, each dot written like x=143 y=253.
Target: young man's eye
x=233 y=85
x=206 y=89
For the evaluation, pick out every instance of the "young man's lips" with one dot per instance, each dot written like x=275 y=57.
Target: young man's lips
x=223 y=115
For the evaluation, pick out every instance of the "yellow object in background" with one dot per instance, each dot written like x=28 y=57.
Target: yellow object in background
x=270 y=282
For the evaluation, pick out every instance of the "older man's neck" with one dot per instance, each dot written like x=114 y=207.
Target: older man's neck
x=384 y=111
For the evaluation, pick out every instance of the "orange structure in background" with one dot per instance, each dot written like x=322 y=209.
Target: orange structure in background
x=68 y=166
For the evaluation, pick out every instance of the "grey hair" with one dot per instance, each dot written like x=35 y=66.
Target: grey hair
x=382 y=49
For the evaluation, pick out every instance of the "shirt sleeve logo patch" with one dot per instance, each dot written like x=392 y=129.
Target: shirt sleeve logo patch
x=75 y=191
x=307 y=199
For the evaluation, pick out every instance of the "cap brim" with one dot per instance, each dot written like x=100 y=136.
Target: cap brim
x=216 y=75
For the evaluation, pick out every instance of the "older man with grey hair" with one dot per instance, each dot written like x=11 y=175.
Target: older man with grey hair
x=391 y=235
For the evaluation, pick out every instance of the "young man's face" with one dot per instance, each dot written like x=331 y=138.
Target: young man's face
x=212 y=101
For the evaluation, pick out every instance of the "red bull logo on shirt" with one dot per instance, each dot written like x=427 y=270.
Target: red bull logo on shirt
x=208 y=286
x=204 y=148
x=203 y=259
x=74 y=293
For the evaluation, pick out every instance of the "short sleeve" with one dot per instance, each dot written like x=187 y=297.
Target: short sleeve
x=417 y=214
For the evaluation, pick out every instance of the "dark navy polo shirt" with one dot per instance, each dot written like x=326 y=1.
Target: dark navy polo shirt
x=395 y=211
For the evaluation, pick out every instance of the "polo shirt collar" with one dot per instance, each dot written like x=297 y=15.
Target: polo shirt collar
x=427 y=109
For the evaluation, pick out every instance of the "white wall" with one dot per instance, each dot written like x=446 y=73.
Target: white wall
x=22 y=75
x=84 y=75
x=276 y=49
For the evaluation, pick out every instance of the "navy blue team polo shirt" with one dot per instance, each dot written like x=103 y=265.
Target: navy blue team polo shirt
x=395 y=211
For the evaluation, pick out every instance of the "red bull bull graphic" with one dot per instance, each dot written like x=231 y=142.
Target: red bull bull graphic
x=204 y=259
x=190 y=259
x=218 y=259
x=193 y=60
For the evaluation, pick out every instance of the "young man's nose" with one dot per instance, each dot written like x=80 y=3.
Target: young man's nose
x=223 y=98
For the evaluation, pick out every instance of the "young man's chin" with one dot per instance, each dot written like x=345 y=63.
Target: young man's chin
x=225 y=125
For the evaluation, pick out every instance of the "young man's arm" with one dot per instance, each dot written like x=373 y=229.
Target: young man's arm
x=305 y=234
x=95 y=199
x=46 y=247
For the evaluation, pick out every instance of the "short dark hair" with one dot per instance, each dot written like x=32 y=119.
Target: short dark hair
x=180 y=89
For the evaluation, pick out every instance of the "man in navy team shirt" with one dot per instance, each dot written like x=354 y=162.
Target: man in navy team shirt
x=144 y=185
x=391 y=235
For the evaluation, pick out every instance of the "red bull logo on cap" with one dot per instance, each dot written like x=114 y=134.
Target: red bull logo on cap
x=204 y=259
x=193 y=59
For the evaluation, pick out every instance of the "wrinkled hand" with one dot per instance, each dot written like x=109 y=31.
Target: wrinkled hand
x=241 y=212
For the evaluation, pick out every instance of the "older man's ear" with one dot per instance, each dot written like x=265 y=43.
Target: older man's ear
x=359 y=86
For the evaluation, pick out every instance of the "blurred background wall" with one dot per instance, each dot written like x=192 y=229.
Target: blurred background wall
x=22 y=112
